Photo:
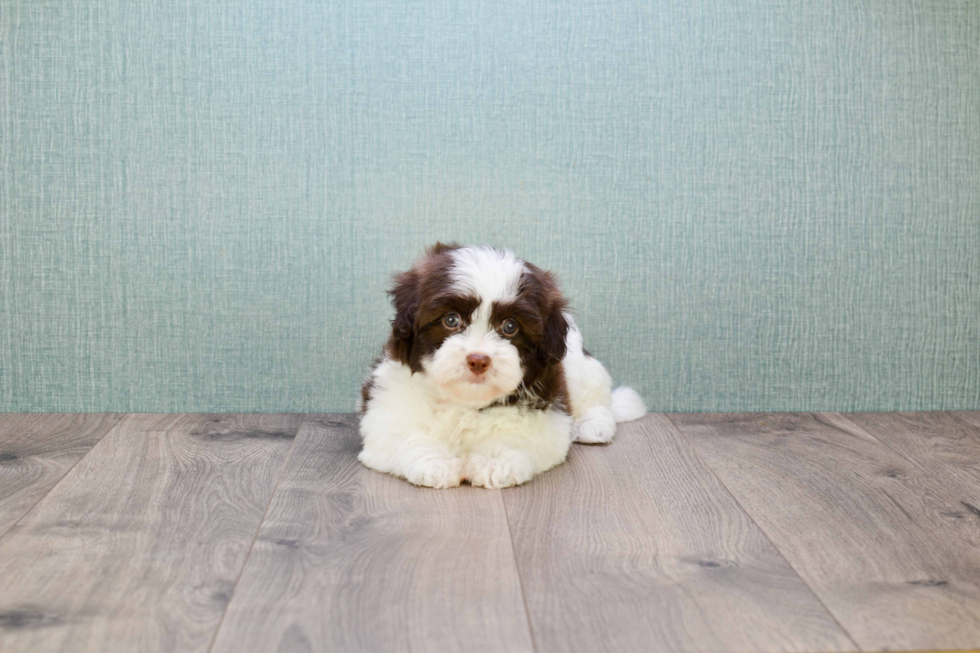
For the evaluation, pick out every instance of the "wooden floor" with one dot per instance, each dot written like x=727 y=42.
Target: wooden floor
x=693 y=532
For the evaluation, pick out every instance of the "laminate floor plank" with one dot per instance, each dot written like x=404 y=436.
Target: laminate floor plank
x=939 y=442
x=636 y=546
x=139 y=546
x=877 y=538
x=36 y=450
x=348 y=559
x=969 y=416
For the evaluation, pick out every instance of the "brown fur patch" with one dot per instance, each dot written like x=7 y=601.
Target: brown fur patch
x=368 y=386
x=540 y=340
x=420 y=296
x=366 y=394
x=548 y=391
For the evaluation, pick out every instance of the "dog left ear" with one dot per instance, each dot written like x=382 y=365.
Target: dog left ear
x=542 y=287
x=555 y=332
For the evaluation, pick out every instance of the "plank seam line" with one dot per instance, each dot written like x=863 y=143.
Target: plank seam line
x=796 y=571
x=911 y=460
x=68 y=471
x=972 y=427
x=517 y=569
x=275 y=489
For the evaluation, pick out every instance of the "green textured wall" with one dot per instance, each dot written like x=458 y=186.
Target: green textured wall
x=753 y=204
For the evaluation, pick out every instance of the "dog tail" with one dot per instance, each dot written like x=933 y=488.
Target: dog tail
x=627 y=405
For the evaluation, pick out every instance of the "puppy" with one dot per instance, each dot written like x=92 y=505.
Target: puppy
x=484 y=377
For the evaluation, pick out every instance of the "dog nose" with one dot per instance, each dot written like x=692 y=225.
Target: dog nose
x=478 y=363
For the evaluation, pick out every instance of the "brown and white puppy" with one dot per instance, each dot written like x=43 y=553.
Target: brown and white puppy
x=484 y=377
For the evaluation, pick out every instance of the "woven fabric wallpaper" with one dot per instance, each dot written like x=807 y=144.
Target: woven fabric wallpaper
x=753 y=204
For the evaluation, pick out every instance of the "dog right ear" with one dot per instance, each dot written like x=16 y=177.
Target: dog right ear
x=405 y=298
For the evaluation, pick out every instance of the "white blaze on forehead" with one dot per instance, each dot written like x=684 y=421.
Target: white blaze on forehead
x=490 y=274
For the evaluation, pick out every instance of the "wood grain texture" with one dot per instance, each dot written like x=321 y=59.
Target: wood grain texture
x=941 y=444
x=352 y=560
x=139 y=546
x=636 y=546
x=36 y=450
x=887 y=547
x=971 y=417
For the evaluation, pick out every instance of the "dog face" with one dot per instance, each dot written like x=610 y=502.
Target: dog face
x=484 y=325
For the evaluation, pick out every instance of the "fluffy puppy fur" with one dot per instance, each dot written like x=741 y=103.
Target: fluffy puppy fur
x=484 y=378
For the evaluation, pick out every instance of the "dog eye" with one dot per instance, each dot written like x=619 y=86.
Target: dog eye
x=509 y=327
x=451 y=320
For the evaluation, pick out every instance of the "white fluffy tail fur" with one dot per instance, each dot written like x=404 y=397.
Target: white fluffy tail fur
x=627 y=405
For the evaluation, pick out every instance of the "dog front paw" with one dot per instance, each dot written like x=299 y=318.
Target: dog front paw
x=509 y=468
x=597 y=427
x=436 y=472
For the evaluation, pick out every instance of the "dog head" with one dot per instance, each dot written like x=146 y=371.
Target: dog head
x=480 y=322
